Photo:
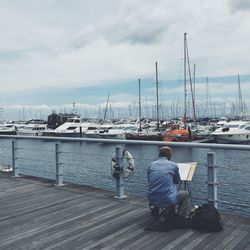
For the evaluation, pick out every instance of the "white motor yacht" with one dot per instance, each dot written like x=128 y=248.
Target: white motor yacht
x=31 y=127
x=72 y=128
x=100 y=131
x=8 y=129
x=233 y=132
x=111 y=131
x=119 y=131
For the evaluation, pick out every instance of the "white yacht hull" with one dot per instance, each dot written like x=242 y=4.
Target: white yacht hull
x=106 y=136
x=232 y=138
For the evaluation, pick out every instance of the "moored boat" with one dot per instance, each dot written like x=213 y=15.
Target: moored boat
x=147 y=136
x=31 y=127
x=8 y=129
x=119 y=131
x=176 y=135
x=233 y=132
x=72 y=128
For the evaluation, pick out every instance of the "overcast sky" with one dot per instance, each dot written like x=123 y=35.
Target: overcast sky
x=50 y=44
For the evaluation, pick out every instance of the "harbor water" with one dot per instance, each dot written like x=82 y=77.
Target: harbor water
x=89 y=163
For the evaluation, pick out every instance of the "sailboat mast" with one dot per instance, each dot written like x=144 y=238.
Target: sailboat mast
x=194 y=78
x=157 y=96
x=106 y=108
x=185 y=81
x=139 y=81
x=194 y=72
x=240 y=97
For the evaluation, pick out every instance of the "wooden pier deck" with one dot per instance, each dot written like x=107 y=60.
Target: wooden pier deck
x=37 y=215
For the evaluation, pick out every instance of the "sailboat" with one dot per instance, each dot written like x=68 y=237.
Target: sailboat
x=182 y=135
x=144 y=133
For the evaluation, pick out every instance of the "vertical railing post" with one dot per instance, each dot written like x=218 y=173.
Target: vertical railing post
x=212 y=178
x=13 y=155
x=59 y=172
x=119 y=177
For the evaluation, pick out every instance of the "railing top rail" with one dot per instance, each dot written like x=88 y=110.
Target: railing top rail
x=133 y=142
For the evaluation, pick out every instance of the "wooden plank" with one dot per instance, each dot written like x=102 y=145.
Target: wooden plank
x=166 y=238
x=179 y=240
x=48 y=228
x=66 y=210
x=215 y=239
x=244 y=243
x=38 y=215
x=233 y=238
x=195 y=241
x=107 y=240
x=86 y=231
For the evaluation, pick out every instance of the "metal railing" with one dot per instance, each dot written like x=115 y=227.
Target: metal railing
x=58 y=158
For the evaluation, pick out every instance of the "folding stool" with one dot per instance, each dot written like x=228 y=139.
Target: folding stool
x=166 y=214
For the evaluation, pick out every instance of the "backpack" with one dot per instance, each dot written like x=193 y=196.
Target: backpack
x=207 y=218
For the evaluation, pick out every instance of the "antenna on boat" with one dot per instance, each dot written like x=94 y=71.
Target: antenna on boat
x=74 y=111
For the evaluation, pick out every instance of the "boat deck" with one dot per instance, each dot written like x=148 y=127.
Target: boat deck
x=35 y=214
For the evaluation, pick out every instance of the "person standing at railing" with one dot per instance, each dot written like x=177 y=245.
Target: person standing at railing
x=163 y=178
x=189 y=134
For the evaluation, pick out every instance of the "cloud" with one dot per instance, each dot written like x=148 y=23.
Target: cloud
x=53 y=44
x=136 y=23
x=239 y=5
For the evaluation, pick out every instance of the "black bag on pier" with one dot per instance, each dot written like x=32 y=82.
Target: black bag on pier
x=207 y=218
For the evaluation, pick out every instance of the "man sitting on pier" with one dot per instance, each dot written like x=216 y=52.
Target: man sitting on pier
x=163 y=178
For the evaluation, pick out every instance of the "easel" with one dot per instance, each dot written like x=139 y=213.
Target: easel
x=186 y=171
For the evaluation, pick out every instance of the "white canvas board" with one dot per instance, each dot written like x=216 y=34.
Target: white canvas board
x=184 y=169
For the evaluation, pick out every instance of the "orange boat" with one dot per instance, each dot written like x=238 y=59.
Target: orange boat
x=176 y=135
